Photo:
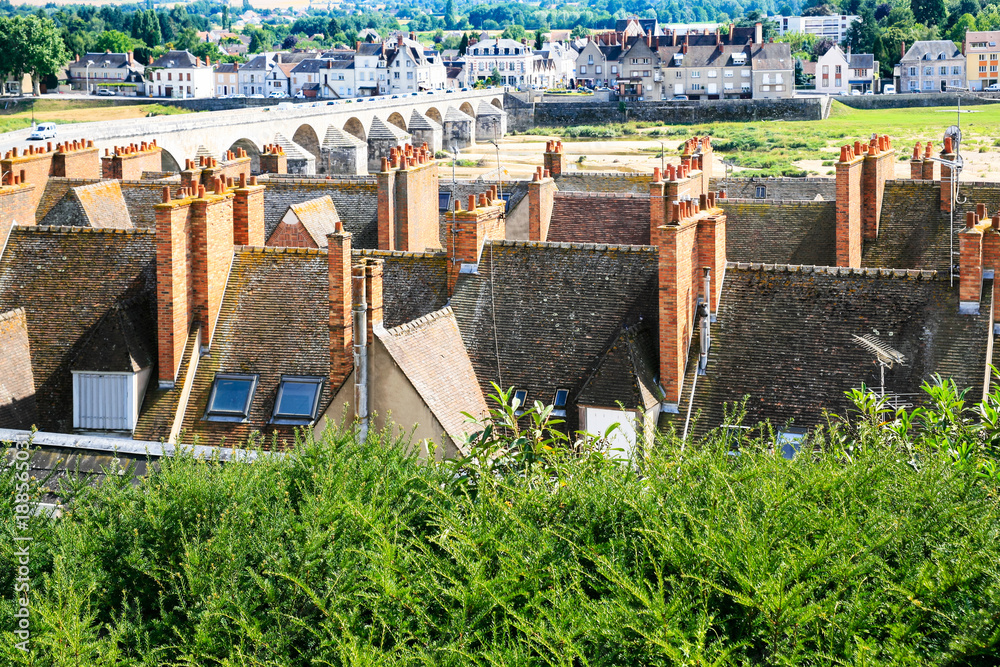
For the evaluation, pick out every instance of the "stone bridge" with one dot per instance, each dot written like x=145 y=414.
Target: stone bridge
x=364 y=127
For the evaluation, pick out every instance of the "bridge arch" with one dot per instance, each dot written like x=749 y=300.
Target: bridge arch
x=356 y=127
x=497 y=103
x=306 y=137
x=252 y=152
x=397 y=119
x=434 y=115
x=467 y=109
x=168 y=162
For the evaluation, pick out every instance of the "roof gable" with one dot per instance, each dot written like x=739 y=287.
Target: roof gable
x=318 y=216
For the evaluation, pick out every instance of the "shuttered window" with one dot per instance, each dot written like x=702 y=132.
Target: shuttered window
x=102 y=401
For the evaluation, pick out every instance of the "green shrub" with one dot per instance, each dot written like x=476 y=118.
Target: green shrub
x=878 y=544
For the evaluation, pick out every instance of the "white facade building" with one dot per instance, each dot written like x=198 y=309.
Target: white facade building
x=829 y=27
x=511 y=59
x=178 y=74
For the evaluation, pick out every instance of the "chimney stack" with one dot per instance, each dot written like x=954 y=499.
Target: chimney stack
x=341 y=336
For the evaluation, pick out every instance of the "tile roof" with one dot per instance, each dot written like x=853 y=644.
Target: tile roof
x=382 y=130
x=637 y=183
x=177 y=59
x=226 y=68
x=292 y=149
x=274 y=320
x=700 y=56
x=318 y=216
x=913 y=233
x=431 y=353
x=862 y=61
x=626 y=372
x=776 y=56
x=597 y=217
x=784 y=336
x=487 y=109
x=931 y=49
x=67 y=279
x=356 y=200
x=17 y=382
x=414 y=284
x=545 y=313
x=119 y=343
x=103 y=205
x=781 y=232
x=453 y=114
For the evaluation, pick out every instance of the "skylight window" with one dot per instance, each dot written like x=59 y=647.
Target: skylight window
x=230 y=398
x=298 y=400
x=444 y=201
x=561 y=396
x=521 y=395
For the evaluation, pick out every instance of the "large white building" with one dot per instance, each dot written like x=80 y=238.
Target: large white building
x=830 y=27
x=178 y=74
x=411 y=68
x=511 y=59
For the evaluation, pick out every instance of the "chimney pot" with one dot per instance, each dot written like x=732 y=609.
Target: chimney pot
x=970 y=219
x=253 y=180
x=243 y=179
x=916 y=151
x=656 y=174
x=980 y=212
x=546 y=173
x=996 y=221
x=166 y=194
x=927 y=150
x=472 y=202
x=201 y=191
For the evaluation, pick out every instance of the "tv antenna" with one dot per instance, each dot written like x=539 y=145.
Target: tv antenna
x=954 y=134
x=885 y=356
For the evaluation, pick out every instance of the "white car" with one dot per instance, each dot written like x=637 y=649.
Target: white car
x=995 y=87
x=278 y=95
x=43 y=131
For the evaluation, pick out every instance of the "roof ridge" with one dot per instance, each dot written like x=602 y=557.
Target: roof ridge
x=753 y=200
x=86 y=230
x=413 y=325
x=367 y=180
x=376 y=252
x=834 y=270
x=12 y=313
x=611 y=195
x=278 y=250
x=572 y=246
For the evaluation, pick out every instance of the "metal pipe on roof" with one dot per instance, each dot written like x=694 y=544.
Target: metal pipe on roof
x=359 y=311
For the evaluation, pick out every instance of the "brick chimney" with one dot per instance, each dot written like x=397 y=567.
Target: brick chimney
x=468 y=230
x=32 y=165
x=541 y=193
x=341 y=337
x=657 y=205
x=947 y=153
x=848 y=226
x=693 y=239
x=917 y=163
x=408 y=216
x=928 y=170
x=554 y=160
x=194 y=252
x=248 y=212
x=16 y=204
x=273 y=160
x=127 y=163
x=979 y=246
x=76 y=159
x=878 y=166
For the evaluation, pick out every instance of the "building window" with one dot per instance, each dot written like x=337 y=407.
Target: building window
x=928 y=85
x=712 y=73
x=298 y=400
x=107 y=401
x=956 y=71
x=761 y=192
x=583 y=69
x=230 y=398
x=520 y=397
x=943 y=71
x=913 y=85
x=614 y=69
x=597 y=70
x=695 y=74
x=729 y=73
x=837 y=69
x=913 y=71
x=695 y=86
x=745 y=73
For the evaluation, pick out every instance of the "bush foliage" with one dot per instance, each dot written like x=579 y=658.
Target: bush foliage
x=880 y=545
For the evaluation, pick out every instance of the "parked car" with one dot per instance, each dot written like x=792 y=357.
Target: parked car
x=679 y=98
x=995 y=87
x=299 y=95
x=869 y=92
x=105 y=92
x=888 y=89
x=278 y=95
x=239 y=96
x=855 y=93
x=43 y=131
x=256 y=96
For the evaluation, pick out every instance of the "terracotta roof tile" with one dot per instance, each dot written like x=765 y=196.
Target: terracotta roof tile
x=431 y=353
x=67 y=279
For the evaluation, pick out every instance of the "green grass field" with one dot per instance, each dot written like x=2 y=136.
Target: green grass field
x=17 y=116
x=773 y=147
